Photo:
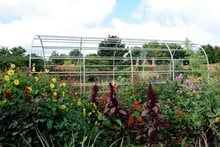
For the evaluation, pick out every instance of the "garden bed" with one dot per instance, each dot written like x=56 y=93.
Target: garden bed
x=42 y=110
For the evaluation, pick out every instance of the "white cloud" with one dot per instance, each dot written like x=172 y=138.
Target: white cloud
x=197 y=19
x=57 y=17
x=154 y=19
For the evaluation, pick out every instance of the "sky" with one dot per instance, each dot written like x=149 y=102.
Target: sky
x=197 y=20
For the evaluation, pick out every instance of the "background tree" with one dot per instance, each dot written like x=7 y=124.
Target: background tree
x=18 y=51
x=111 y=44
x=56 y=58
x=217 y=54
x=210 y=51
x=160 y=50
x=4 y=55
x=14 y=55
x=112 y=48
x=75 y=53
x=4 y=52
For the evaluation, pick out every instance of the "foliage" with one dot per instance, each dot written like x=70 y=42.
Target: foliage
x=13 y=55
x=112 y=47
x=112 y=42
x=75 y=53
x=43 y=106
x=41 y=109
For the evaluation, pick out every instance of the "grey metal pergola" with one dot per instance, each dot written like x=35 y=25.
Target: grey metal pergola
x=121 y=69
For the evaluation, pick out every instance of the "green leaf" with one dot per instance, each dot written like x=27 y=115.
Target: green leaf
x=49 y=124
x=119 y=122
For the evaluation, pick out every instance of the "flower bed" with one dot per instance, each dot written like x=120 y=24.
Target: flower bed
x=43 y=110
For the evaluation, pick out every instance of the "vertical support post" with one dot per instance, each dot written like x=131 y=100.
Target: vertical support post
x=132 y=68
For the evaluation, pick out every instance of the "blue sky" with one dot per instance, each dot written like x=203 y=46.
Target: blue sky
x=21 y=20
x=123 y=10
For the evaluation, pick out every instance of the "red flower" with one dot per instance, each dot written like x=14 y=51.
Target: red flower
x=179 y=112
x=17 y=69
x=166 y=124
x=26 y=90
x=137 y=105
x=104 y=98
x=179 y=139
x=152 y=68
x=7 y=95
x=130 y=120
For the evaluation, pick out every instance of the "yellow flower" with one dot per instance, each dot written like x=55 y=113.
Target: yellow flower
x=36 y=78
x=6 y=78
x=12 y=65
x=79 y=103
x=63 y=84
x=47 y=70
x=54 y=80
x=63 y=107
x=55 y=94
x=52 y=85
x=217 y=119
x=16 y=82
x=29 y=88
x=85 y=138
x=11 y=72
x=33 y=69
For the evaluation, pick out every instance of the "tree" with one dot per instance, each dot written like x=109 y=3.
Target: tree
x=14 y=55
x=217 y=54
x=112 y=47
x=156 y=50
x=75 y=53
x=210 y=51
x=18 y=51
x=4 y=51
x=56 y=58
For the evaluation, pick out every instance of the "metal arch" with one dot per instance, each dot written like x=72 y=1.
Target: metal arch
x=132 y=66
x=30 y=56
x=207 y=60
x=171 y=56
x=42 y=50
x=41 y=42
x=85 y=44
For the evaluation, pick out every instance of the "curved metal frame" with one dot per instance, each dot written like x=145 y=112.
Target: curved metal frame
x=68 y=42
